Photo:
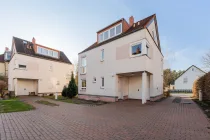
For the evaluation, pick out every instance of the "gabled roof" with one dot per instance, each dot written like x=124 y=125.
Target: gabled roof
x=136 y=27
x=188 y=69
x=22 y=49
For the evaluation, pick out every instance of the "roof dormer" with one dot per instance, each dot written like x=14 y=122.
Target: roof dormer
x=42 y=50
x=112 y=30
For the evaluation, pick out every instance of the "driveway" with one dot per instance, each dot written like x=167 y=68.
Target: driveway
x=125 y=120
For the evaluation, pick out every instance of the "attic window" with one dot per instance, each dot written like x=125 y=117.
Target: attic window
x=47 y=52
x=109 y=33
x=25 y=42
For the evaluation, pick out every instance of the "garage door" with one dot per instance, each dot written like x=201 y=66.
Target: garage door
x=26 y=86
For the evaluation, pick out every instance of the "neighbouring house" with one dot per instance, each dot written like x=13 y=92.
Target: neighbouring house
x=125 y=62
x=186 y=79
x=4 y=61
x=37 y=69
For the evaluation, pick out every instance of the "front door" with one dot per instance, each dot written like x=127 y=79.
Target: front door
x=123 y=87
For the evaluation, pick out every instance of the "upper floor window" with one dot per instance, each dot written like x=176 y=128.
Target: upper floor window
x=102 y=55
x=136 y=49
x=47 y=52
x=116 y=30
x=83 y=65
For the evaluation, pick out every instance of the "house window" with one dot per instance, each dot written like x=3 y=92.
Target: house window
x=192 y=69
x=40 y=50
x=185 y=80
x=50 y=53
x=102 y=55
x=118 y=29
x=112 y=32
x=83 y=84
x=7 y=56
x=102 y=82
x=83 y=65
x=22 y=66
x=55 y=54
x=101 y=37
x=147 y=50
x=94 y=79
x=106 y=35
x=44 y=51
x=136 y=49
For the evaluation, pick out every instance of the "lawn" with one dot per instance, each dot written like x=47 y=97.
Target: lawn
x=14 y=105
x=205 y=106
x=76 y=100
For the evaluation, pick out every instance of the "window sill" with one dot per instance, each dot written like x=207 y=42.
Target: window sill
x=94 y=81
x=102 y=60
x=101 y=87
x=82 y=73
x=83 y=89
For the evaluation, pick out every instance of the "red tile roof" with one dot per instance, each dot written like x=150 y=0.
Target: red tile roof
x=136 y=27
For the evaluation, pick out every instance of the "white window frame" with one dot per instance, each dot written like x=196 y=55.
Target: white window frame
x=85 y=84
x=116 y=29
x=102 y=55
x=133 y=44
x=83 y=66
x=102 y=86
x=22 y=65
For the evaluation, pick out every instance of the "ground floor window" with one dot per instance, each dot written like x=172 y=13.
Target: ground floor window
x=83 y=84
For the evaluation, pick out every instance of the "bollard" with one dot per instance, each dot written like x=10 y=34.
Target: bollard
x=200 y=95
x=56 y=96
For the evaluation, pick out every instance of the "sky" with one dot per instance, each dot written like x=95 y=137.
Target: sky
x=71 y=25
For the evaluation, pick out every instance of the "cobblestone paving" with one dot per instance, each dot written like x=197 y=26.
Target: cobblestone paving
x=125 y=120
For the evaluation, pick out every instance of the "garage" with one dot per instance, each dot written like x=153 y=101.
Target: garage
x=26 y=86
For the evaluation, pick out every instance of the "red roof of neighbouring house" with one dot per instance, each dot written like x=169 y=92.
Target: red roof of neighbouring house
x=2 y=58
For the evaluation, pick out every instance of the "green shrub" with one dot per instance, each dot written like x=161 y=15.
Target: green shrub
x=72 y=89
x=166 y=93
x=64 y=91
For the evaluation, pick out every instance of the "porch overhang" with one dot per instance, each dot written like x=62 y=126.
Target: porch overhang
x=136 y=73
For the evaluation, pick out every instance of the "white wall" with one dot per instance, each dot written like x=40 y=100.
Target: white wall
x=39 y=69
x=191 y=74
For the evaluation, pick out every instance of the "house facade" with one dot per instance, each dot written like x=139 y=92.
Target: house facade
x=37 y=69
x=125 y=62
x=186 y=79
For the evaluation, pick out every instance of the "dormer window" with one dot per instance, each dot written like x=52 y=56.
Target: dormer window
x=109 y=33
x=47 y=52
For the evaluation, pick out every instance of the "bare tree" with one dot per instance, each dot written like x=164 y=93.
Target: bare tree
x=206 y=60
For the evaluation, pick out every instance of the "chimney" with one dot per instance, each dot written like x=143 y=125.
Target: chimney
x=34 y=40
x=131 y=21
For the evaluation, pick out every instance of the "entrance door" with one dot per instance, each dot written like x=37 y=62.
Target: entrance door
x=135 y=90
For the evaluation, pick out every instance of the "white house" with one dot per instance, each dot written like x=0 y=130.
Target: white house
x=125 y=62
x=37 y=69
x=186 y=79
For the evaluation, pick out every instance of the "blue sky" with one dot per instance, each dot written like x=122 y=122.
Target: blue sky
x=71 y=26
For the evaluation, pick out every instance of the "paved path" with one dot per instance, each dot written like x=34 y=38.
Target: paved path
x=127 y=120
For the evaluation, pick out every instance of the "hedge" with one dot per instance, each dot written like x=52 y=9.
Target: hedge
x=203 y=84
